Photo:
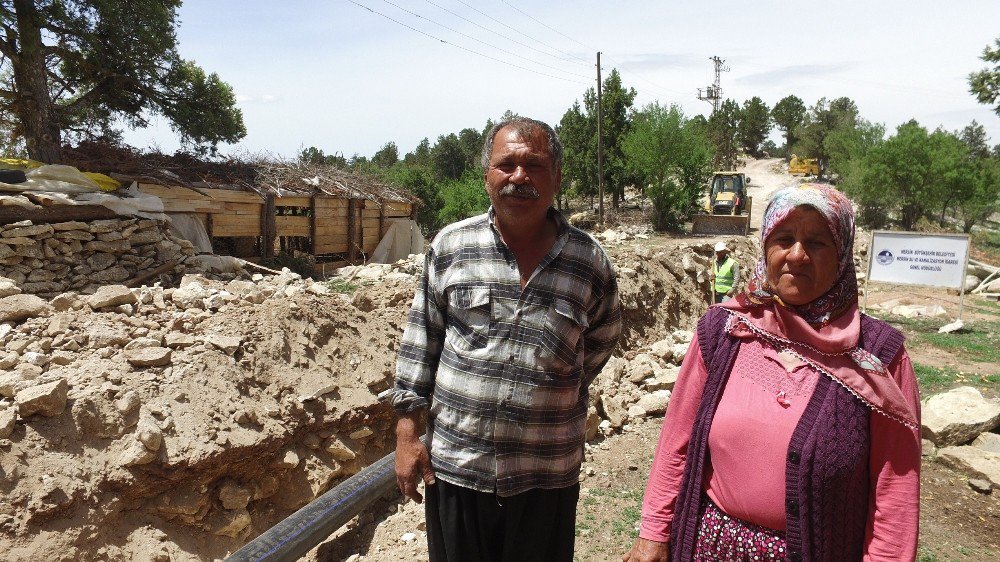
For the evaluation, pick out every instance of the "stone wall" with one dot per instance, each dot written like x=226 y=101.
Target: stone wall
x=49 y=259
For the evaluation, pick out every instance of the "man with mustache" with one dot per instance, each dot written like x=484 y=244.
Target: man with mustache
x=515 y=315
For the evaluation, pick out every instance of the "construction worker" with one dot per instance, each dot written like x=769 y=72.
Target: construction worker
x=725 y=274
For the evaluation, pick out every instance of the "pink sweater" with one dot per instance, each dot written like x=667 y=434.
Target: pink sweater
x=761 y=404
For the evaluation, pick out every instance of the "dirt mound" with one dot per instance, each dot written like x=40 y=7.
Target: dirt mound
x=196 y=417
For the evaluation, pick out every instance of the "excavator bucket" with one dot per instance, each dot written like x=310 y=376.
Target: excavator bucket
x=721 y=224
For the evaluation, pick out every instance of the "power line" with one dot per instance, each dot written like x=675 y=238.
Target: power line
x=584 y=45
x=550 y=28
x=466 y=49
x=501 y=49
x=526 y=35
x=494 y=32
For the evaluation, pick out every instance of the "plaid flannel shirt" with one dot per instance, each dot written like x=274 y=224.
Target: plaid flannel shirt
x=504 y=372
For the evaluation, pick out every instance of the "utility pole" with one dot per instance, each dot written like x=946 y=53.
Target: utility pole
x=600 y=146
x=713 y=93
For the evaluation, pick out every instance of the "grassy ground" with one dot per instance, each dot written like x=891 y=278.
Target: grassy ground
x=986 y=246
x=971 y=355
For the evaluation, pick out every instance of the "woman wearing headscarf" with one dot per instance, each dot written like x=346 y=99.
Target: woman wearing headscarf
x=793 y=429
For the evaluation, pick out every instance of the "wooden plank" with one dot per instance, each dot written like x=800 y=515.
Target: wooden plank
x=171 y=192
x=395 y=207
x=232 y=196
x=223 y=225
x=333 y=229
x=370 y=213
x=293 y=226
x=235 y=230
x=242 y=208
x=55 y=213
x=331 y=202
x=224 y=218
x=177 y=206
x=337 y=248
x=345 y=221
x=293 y=201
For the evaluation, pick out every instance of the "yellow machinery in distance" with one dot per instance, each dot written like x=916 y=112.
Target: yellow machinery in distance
x=727 y=207
x=805 y=166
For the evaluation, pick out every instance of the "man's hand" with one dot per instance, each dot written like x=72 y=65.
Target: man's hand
x=413 y=462
x=645 y=550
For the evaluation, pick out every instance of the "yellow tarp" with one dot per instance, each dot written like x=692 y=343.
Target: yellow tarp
x=104 y=182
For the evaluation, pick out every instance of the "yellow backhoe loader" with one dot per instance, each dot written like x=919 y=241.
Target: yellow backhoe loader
x=727 y=207
x=805 y=166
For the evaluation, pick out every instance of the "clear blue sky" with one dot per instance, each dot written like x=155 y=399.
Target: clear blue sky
x=332 y=74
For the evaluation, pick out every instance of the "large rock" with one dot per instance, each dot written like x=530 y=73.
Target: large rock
x=663 y=349
x=8 y=287
x=111 y=295
x=48 y=399
x=179 y=340
x=664 y=379
x=31 y=230
x=988 y=442
x=191 y=295
x=958 y=416
x=15 y=308
x=614 y=409
x=227 y=344
x=135 y=453
x=682 y=336
x=973 y=462
x=641 y=368
x=593 y=423
x=680 y=350
x=7 y=418
x=652 y=404
x=148 y=356
x=339 y=450
x=234 y=496
x=149 y=433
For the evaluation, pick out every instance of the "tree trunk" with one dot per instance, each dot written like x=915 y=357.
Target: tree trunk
x=33 y=106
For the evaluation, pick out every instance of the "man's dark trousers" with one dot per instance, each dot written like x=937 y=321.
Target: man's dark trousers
x=464 y=525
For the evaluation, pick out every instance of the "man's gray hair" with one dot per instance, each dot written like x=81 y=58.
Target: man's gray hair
x=524 y=127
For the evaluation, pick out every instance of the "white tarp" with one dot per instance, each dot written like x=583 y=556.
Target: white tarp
x=402 y=239
x=189 y=227
x=53 y=178
x=918 y=258
x=130 y=202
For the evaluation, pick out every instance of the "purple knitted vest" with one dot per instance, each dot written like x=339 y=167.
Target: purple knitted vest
x=826 y=469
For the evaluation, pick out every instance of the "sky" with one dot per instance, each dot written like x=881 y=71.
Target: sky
x=348 y=76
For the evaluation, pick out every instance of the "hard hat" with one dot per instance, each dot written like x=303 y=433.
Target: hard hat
x=721 y=247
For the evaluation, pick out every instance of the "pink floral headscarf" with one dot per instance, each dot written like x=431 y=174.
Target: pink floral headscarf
x=836 y=209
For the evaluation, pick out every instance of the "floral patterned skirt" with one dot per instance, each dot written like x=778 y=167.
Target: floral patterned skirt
x=722 y=538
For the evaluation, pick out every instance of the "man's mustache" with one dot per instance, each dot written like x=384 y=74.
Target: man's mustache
x=523 y=190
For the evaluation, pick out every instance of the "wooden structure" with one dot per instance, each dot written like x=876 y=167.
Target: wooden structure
x=330 y=227
x=257 y=208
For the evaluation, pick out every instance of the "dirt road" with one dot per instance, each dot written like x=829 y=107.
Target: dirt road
x=766 y=177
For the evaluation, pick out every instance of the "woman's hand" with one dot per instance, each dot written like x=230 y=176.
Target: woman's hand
x=645 y=550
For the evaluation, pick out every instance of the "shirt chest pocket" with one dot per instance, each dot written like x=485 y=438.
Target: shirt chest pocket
x=564 y=325
x=469 y=315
